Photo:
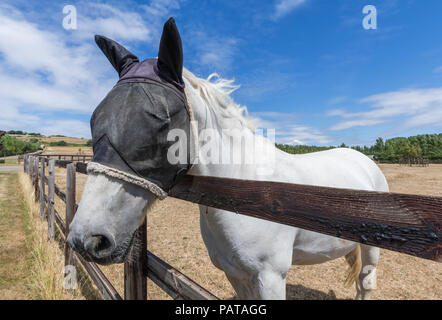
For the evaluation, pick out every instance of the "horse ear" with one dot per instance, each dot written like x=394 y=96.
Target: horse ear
x=170 y=54
x=117 y=55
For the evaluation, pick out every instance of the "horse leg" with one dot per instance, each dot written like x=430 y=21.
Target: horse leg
x=266 y=285
x=366 y=281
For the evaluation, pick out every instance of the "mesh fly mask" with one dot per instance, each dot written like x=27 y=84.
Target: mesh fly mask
x=130 y=126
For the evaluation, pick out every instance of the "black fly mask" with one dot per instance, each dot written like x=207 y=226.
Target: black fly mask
x=130 y=126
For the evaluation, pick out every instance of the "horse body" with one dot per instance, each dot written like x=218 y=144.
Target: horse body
x=256 y=254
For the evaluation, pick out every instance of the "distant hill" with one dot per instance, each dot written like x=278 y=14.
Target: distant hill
x=16 y=142
x=51 y=139
x=11 y=146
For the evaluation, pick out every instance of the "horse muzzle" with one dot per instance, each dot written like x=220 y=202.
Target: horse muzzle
x=99 y=247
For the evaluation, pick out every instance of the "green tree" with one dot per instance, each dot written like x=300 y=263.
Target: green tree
x=13 y=146
x=379 y=146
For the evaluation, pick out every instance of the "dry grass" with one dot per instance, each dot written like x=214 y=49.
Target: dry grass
x=10 y=161
x=14 y=254
x=47 y=140
x=415 y=180
x=47 y=258
x=59 y=149
x=174 y=235
x=68 y=150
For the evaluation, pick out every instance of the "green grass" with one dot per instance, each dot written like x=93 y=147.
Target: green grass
x=10 y=162
x=14 y=261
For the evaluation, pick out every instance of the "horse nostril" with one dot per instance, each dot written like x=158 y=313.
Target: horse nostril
x=74 y=242
x=99 y=245
x=103 y=244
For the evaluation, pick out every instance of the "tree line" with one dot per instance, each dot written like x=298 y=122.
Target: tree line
x=10 y=146
x=427 y=146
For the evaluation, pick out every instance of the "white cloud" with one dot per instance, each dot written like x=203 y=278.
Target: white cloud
x=109 y=21
x=303 y=135
x=438 y=69
x=40 y=72
x=213 y=52
x=161 y=8
x=337 y=100
x=419 y=107
x=11 y=118
x=47 y=76
x=72 y=128
x=356 y=123
x=286 y=129
x=284 y=7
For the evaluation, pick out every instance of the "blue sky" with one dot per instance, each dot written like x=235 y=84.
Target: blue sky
x=307 y=68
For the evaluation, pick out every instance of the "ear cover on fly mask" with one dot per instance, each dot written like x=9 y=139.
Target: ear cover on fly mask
x=130 y=126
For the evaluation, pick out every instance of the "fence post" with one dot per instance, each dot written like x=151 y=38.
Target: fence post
x=35 y=178
x=31 y=169
x=70 y=212
x=28 y=168
x=42 y=187
x=51 y=190
x=135 y=281
x=24 y=163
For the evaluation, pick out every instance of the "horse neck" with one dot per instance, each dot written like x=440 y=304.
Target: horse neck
x=209 y=122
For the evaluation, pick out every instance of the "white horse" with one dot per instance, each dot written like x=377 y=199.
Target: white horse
x=255 y=254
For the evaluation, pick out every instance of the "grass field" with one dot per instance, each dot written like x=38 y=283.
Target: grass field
x=68 y=150
x=10 y=161
x=14 y=254
x=174 y=235
x=49 y=139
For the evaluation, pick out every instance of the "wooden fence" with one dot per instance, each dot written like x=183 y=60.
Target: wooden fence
x=71 y=157
x=405 y=223
x=419 y=162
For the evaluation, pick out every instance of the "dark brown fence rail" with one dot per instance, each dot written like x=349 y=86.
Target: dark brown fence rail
x=409 y=224
x=405 y=223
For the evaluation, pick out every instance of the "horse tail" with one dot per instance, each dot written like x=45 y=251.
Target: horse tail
x=354 y=260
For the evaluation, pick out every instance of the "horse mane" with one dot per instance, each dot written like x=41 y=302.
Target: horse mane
x=215 y=92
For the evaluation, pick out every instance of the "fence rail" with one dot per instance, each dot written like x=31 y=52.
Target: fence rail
x=71 y=157
x=419 y=162
x=405 y=223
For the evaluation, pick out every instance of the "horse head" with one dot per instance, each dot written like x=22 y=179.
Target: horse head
x=130 y=167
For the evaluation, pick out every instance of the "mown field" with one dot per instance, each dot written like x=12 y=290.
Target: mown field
x=67 y=150
x=49 y=139
x=174 y=235
x=79 y=148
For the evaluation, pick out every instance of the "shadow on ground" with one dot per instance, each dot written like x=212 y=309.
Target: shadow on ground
x=299 y=292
